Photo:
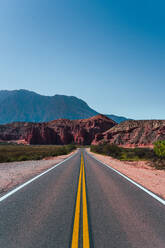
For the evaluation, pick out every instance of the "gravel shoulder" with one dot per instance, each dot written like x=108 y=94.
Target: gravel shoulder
x=140 y=172
x=14 y=173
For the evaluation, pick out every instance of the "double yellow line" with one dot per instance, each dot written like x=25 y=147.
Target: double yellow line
x=76 y=225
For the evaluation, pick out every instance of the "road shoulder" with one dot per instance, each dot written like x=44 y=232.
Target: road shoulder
x=15 y=173
x=140 y=172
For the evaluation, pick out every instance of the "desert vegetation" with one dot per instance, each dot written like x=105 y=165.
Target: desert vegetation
x=156 y=156
x=129 y=154
x=11 y=152
x=159 y=148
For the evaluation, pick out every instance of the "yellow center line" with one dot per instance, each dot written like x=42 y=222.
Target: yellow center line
x=76 y=225
x=75 y=235
x=86 y=243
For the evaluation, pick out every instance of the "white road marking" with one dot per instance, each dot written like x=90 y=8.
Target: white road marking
x=33 y=179
x=133 y=182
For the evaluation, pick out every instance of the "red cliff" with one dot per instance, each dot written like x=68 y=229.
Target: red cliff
x=61 y=131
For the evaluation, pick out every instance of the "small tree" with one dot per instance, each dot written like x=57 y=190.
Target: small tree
x=159 y=148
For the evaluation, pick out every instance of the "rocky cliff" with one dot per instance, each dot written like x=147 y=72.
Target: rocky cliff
x=61 y=131
x=133 y=133
x=95 y=130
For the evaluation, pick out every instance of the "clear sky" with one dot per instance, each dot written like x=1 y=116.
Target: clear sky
x=109 y=53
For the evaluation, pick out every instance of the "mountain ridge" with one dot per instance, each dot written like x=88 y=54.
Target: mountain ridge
x=23 y=105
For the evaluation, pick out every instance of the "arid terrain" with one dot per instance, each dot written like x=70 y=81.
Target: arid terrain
x=95 y=130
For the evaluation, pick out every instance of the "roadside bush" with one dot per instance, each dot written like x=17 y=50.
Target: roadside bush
x=129 y=154
x=107 y=149
x=155 y=157
x=159 y=148
x=112 y=150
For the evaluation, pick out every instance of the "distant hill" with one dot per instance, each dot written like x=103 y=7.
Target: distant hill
x=118 y=119
x=28 y=106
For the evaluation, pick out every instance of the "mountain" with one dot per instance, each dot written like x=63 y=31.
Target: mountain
x=59 y=132
x=118 y=119
x=141 y=133
x=28 y=106
x=5 y=93
x=23 y=105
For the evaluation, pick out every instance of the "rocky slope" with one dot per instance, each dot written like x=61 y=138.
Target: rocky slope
x=133 y=133
x=61 y=131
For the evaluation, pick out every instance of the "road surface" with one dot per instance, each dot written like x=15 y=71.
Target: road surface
x=81 y=203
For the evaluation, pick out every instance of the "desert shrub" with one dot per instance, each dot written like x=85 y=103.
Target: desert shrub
x=130 y=154
x=97 y=149
x=159 y=148
x=107 y=149
x=112 y=150
x=22 y=158
x=70 y=147
x=155 y=158
x=140 y=153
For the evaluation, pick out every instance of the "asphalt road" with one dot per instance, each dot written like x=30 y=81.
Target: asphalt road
x=81 y=203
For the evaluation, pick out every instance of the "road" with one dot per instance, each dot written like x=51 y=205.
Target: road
x=81 y=203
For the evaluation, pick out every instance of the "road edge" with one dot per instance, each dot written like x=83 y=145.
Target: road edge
x=11 y=192
x=161 y=200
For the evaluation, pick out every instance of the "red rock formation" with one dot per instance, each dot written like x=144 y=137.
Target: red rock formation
x=134 y=133
x=94 y=130
x=80 y=132
x=61 y=131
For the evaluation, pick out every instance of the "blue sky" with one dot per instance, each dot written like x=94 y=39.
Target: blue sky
x=109 y=53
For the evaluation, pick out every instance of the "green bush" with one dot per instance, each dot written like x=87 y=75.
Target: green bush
x=159 y=148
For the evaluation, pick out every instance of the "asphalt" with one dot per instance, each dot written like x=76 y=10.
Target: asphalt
x=120 y=214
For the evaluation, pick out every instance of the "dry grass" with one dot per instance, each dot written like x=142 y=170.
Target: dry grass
x=11 y=153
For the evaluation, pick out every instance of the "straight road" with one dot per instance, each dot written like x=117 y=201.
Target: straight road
x=81 y=203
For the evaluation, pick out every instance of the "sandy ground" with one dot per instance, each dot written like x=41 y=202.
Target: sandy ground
x=140 y=172
x=15 y=173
